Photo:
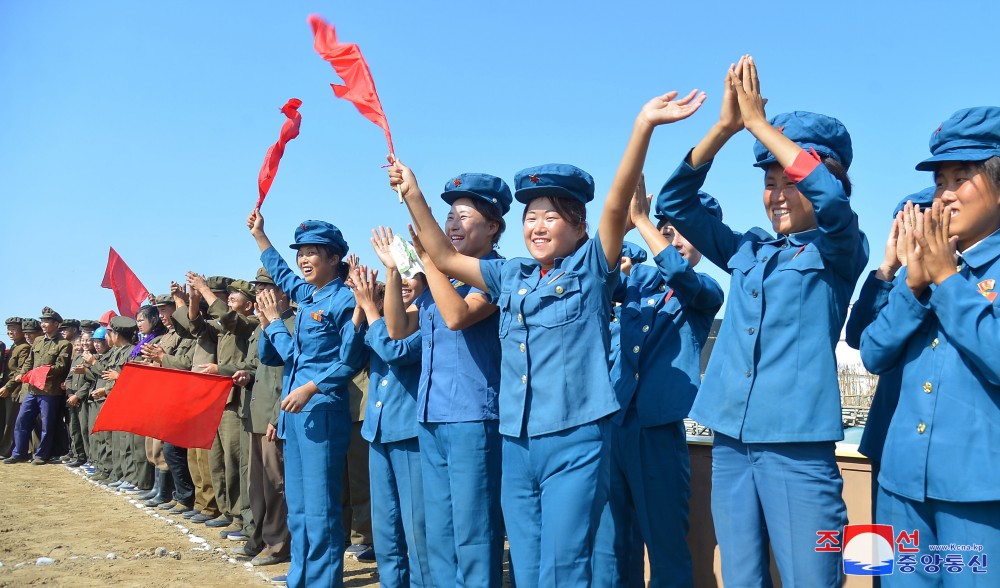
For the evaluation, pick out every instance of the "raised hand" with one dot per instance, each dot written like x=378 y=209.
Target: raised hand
x=402 y=176
x=917 y=278
x=746 y=85
x=665 y=109
x=196 y=282
x=418 y=246
x=178 y=292
x=365 y=295
x=730 y=118
x=153 y=352
x=267 y=303
x=381 y=241
x=255 y=222
x=895 y=250
x=934 y=238
x=639 y=206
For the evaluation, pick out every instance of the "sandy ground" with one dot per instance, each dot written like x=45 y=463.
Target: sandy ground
x=53 y=512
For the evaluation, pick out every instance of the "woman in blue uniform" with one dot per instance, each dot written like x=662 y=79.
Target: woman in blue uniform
x=770 y=391
x=459 y=384
x=938 y=479
x=667 y=312
x=555 y=387
x=390 y=427
x=315 y=421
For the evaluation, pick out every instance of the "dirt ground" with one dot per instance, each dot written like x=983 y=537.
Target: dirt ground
x=54 y=512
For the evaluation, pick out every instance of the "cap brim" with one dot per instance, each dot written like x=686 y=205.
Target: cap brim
x=932 y=163
x=766 y=161
x=526 y=195
x=324 y=243
x=452 y=195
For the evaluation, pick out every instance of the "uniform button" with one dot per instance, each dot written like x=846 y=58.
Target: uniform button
x=645 y=328
x=663 y=287
x=559 y=289
x=754 y=293
x=520 y=318
x=385 y=383
x=378 y=404
x=934 y=343
x=750 y=331
x=921 y=428
x=749 y=373
x=928 y=388
x=522 y=291
x=637 y=377
x=430 y=316
x=635 y=349
x=763 y=258
x=522 y=347
x=651 y=302
x=524 y=379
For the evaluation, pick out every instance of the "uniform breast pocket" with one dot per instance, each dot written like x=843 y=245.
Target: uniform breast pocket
x=808 y=260
x=504 y=304
x=559 y=303
x=742 y=262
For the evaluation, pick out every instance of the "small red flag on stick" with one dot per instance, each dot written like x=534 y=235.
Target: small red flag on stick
x=135 y=405
x=289 y=130
x=350 y=65
x=37 y=376
x=129 y=291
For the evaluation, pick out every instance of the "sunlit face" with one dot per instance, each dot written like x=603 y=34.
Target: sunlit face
x=975 y=208
x=49 y=326
x=69 y=333
x=100 y=346
x=165 y=311
x=239 y=303
x=31 y=336
x=682 y=245
x=15 y=333
x=468 y=229
x=547 y=234
x=317 y=269
x=144 y=325
x=790 y=212
x=411 y=289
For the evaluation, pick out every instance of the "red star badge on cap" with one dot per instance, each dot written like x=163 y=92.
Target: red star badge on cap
x=458 y=182
x=533 y=179
x=303 y=225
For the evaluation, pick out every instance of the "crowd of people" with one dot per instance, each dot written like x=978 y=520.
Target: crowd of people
x=542 y=399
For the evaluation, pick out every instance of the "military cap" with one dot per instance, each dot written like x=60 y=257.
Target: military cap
x=30 y=325
x=262 y=277
x=48 y=313
x=490 y=189
x=244 y=288
x=70 y=324
x=89 y=325
x=707 y=201
x=634 y=252
x=924 y=197
x=162 y=300
x=218 y=283
x=15 y=320
x=316 y=232
x=123 y=323
x=553 y=179
x=827 y=135
x=971 y=134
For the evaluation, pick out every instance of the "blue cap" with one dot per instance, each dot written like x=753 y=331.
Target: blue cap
x=483 y=186
x=924 y=197
x=553 y=179
x=315 y=232
x=827 y=135
x=634 y=252
x=707 y=200
x=99 y=333
x=971 y=134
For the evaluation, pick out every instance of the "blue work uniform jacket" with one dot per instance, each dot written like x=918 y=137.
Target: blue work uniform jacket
x=667 y=312
x=555 y=340
x=943 y=438
x=772 y=376
x=391 y=412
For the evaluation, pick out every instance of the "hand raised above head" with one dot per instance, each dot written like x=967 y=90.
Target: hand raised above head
x=382 y=243
x=668 y=108
x=746 y=85
x=255 y=222
x=401 y=176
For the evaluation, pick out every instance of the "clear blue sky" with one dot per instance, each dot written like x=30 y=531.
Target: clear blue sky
x=142 y=125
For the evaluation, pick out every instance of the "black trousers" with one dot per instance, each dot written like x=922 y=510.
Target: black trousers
x=177 y=463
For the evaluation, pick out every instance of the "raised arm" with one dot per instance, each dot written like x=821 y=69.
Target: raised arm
x=291 y=284
x=457 y=311
x=730 y=122
x=747 y=88
x=436 y=243
x=399 y=321
x=660 y=110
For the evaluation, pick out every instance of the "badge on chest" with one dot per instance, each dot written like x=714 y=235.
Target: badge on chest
x=986 y=289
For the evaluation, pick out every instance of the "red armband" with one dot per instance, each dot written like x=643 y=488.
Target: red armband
x=804 y=164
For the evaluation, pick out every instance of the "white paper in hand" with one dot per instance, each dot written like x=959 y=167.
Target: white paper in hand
x=406 y=258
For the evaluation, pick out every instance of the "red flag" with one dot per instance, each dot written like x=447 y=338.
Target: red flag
x=351 y=66
x=37 y=376
x=289 y=130
x=129 y=291
x=188 y=417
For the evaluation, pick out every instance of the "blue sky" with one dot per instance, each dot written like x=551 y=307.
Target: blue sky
x=142 y=125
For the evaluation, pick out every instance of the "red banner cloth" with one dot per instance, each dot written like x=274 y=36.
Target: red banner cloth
x=351 y=66
x=37 y=376
x=130 y=294
x=179 y=407
x=289 y=130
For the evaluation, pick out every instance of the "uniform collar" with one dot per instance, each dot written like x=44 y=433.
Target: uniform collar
x=803 y=238
x=983 y=252
x=327 y=290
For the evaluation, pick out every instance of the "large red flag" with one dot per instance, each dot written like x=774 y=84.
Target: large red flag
x=289 y=130
x=129 y=291
x=179 y=407
x=351 y=66
x=37 y=376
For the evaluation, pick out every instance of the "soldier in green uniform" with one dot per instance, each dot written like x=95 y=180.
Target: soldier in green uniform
x=45 y=402
x=62 y=447
x=10 y=393
x=77 y=387
x=121 y=337
x=97 y=362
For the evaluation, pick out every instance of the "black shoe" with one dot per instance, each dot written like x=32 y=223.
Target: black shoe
x=76 y=463
x=15 y=459
x=219 y=522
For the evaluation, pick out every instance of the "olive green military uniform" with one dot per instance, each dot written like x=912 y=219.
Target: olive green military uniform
x=11 y=392
x=101 y=442
x=77 y=385
x=38 y=402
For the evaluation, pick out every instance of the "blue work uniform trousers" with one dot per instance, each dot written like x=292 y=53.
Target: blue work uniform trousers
x=33 y=406
x=315 y=450
x=554 y=489
x=942 y=523
x=650 y=489
x=782 y=491
x=397 y=498
x=460 y=465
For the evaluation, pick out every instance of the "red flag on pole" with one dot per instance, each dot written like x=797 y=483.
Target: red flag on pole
x=351 y=66
x=129 y=291
x=289 y=130
x=37 y=376
x=190 y=419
